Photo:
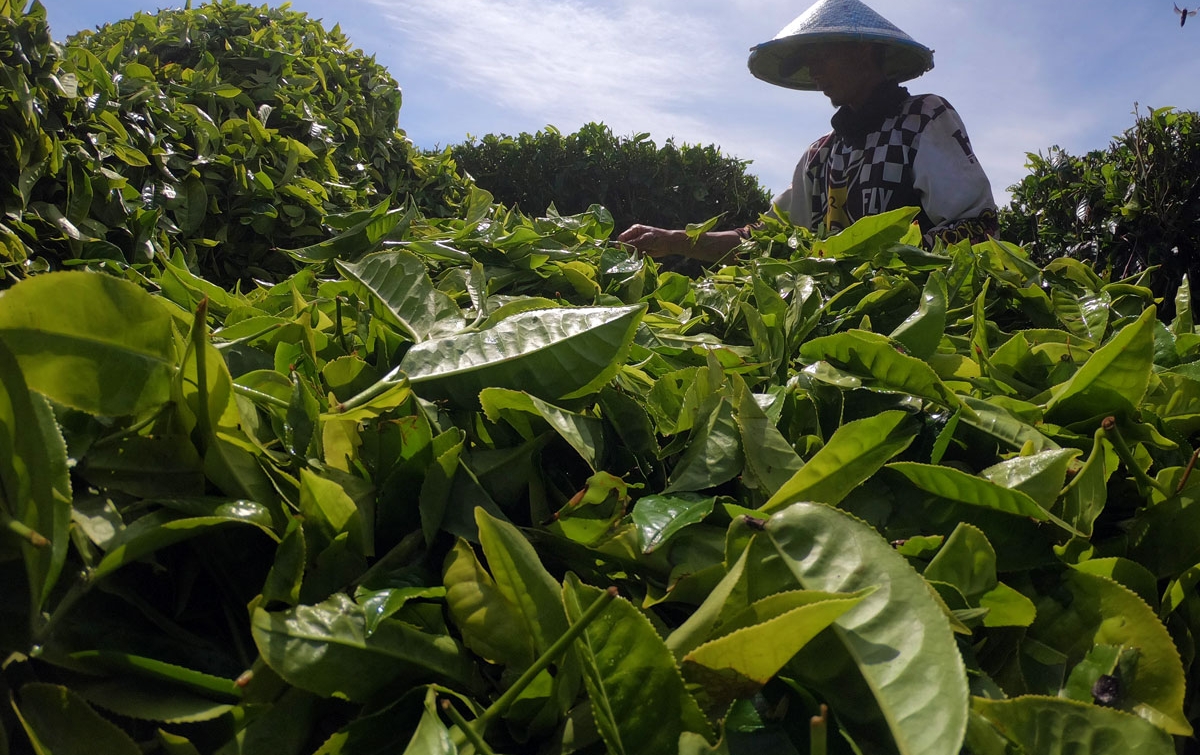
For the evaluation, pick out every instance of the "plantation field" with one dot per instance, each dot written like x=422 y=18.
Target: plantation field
x=309 y=446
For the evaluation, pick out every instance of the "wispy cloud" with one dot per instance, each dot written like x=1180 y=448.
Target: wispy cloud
x=563 y=60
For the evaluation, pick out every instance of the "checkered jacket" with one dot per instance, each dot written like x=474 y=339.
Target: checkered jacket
x=919 y=156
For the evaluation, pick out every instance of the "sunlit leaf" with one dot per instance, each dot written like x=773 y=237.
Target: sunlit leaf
x=856 y=451
x=401 y=284
x=90 y=341
x=1114 y=378
x=876 y=357
x=877 y=671
x=551 y=354
x=1090 y=610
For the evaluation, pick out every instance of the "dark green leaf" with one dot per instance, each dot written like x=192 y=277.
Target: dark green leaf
x=326 y=649
x=658 y=517
x=59 y=722
x=1048 y=724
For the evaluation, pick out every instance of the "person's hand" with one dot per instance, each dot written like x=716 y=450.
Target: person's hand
x=655 y=242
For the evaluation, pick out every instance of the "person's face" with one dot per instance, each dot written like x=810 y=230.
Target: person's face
x=846 y=72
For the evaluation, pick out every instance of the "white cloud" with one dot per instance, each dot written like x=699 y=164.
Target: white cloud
x=562 y=61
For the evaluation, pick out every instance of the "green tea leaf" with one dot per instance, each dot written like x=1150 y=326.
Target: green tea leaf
x=875 y=671
x=867 y=235
x=551 y=354
x=522 y=581
x=658 y=517
x=34 y=479
x=359 y=239
x=921 y=333
x=744 y=658
x=967 y=561
x=1087 y=493
x=957 y=485
x=401 y=283
x=713 y=454
x=1089 y=610
x=287 y=572
x=1002 y=425
x=770 y=459
x=1052 y=724
x=1086 y=315
x=585 y=434
x=1041 y=476
x=59 y=722
x=325 y=649
x=873 y=356
x=490 y=625
x=157 y=530
x=282 y=728
x=175 y=677
x=1113 y=380
x=856 y=451
x=329 y=511
x=90 y=341
x=638 y=697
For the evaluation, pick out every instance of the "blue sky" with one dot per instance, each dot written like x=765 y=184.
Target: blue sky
x=1024 y=74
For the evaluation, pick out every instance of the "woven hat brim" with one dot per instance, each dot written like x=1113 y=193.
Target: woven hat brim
x=773 y=61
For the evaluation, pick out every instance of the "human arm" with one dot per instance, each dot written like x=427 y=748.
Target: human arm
x=795 y=202
x=712 y=246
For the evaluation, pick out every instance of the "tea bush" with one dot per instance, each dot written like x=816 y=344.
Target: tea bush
x=636 y=180
x=1123 y=209
x=226 y=131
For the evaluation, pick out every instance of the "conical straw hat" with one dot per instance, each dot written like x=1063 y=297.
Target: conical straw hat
x=781 y=60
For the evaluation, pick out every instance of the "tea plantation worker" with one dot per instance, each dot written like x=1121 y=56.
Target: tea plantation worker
x=888 y=149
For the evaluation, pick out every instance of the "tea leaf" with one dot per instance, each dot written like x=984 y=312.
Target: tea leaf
x=90 y=341
x=638 y=697
x=551 y=354
x=873 y=671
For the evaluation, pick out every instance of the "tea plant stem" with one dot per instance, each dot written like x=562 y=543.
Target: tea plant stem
x=818 y=732
x=381 y=386
x=22 y=530
x=554 y=651
x=214 y=687
x=77 y=590
x=250 y=338
x=468 y=731
x=266 y=398
x=136 y=428
x=199 y=342
x=1144 y=481
x=1187 y=473
x=338 y=332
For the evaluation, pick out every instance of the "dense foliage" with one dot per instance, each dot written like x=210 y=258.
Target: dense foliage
x=1124 y=209
x=225 y=131
x=637 y=181
x=378 y=506
x=479 y=482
